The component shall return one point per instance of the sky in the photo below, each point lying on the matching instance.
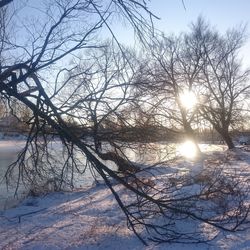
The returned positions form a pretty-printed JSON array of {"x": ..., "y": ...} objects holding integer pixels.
[
  {"x": 175, "y": 18},
  {"x": 177, "y": 15},
  {"x": 220, "y": 13}
]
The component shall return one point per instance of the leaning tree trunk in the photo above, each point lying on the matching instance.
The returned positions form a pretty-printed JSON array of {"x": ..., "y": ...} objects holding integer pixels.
[
  {"x": 225, "y": 136},
  {"x": 124, "y": 165},
  {"x": 228, "y": 140}
]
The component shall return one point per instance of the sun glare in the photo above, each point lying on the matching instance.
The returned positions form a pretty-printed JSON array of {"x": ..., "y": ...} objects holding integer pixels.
[
  {"x": 188, "y": 99},
  {"x": 188, "y": 149}
]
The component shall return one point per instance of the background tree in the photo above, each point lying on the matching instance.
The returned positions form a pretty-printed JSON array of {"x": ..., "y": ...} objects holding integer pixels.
[
  {"x": 172, "y": 82},
  {"x": 225, "y": 82}
]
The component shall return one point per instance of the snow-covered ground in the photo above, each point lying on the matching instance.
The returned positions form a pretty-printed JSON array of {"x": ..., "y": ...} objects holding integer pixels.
[{"x": 91, "y": 219}]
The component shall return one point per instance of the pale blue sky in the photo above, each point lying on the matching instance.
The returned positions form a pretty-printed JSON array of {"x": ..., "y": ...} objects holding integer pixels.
[
  {"x": 174, "y": 18},
  {"x": 222, "y": 14}
]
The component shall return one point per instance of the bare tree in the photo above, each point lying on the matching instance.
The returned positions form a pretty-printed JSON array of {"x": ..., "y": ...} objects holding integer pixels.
[
  {"x": 172, "y": 76},
  {"x": 38, "y": 74},
  {"x": 224, "y": 82}
]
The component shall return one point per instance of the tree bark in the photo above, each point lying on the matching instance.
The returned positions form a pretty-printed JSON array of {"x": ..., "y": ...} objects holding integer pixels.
[
  {"x": 228, "y": 140},
  {"x": 123, "y": 165}
]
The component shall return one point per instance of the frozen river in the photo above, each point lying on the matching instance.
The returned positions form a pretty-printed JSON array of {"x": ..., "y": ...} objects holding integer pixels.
[
  {"x": 8, "y": 154},
  {"x": 140, "y": 153}
]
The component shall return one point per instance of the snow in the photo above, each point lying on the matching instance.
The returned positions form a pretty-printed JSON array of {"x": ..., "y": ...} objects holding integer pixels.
[{"x": 90, "y": 218}]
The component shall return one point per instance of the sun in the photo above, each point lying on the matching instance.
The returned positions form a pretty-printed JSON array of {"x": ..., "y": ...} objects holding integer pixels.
[
  {"x": 188, "y": 149},
  {"x": 188, "y": 99}
]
